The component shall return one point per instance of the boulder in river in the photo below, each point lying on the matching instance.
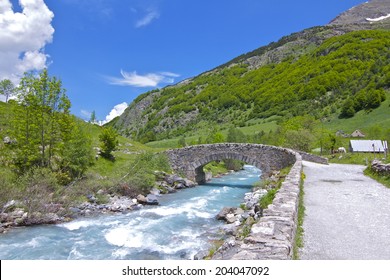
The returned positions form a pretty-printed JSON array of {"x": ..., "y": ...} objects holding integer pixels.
[
  {"x": 151, "y": 199},
  {"x": 224, "y": 212},
  {"x": 141, "y": 199}
]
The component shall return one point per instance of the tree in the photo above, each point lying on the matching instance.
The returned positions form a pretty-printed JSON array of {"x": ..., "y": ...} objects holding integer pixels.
[
  {"x": 93, "y": 117},
  {"x": 7, "y": 89},
  {"x": 182, "y": 142},
  {"x": 347, "y": 110},
  {"x": 235, "y": 136},
  {"x": 109, "y": 142},
  {"x": 300, "y": 140},
  {"x": 77, "y": 154},
  {"x": 42, "y": 122}
]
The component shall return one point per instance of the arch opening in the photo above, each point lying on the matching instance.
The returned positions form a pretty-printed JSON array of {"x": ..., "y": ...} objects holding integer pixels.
[{"x": 200, "y": 174}]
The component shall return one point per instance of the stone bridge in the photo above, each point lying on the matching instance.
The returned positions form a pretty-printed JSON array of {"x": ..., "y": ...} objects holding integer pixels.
[{"x": 190, "y": 160}]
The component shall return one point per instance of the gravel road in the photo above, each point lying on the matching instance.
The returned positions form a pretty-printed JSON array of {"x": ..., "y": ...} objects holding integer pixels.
[{"x": 347, "y": 214}]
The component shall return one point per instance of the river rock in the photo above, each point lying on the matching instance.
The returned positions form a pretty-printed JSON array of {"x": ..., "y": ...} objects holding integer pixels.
[
  {"x": 179, "y": 186},
  {"x": 141, "y": 199},
  {"x": 9, "y": 206},
  {"x": 3, "y": 217},
  {"x": 137, "y": 207},
  {"x": 201, "y": 255},
  {"x": 171, "y": 190},
  {"x": 189, "y": 183},
  {"x": 231, "y": 218},
  {"x": 225, "y": 211},
  {"x": 75, "y": 210},
  {"x": 155, "y": 191},
  {"x": 91, "y": 198},
  {"x": 151, "y": 199},
  {"x": 160, "y": 175}
]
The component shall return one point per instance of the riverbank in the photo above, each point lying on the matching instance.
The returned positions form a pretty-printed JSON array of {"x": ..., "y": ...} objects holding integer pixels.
[
  {"x": 14, "y": 213},
  {"x": 182, "y": 225}
]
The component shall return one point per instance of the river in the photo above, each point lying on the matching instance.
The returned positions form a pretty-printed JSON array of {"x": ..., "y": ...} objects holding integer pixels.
[{"x": 183, "y": 224}]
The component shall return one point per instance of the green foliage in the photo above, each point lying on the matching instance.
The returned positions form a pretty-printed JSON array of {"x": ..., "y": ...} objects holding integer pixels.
[
  {"x": 268, "y": 198},
  {"x": 92, "y": 119},
  {"x": 343, "y": 75},
  {"x": 7, "y": 186},
  {"x": 232, "y": 164},
  {"x": 108, "y": 142},
  {"x": 348, "y": 109},
  {"x": 300, "y": 140},
  {"x": 141, "y": 176},
  {"x": 44, "y": 134},
  {"x": 235, "y": 136},
  {"x": 7, "y": 89},
  {"x": 40, "y": 124},
  {"x": 182, "y": 142},
  {"x": 301, "y": 215},
  {"x": 381, "y": 178},
  {"x": 37, "y": 186},
  {"x": 77, "y": 154}
]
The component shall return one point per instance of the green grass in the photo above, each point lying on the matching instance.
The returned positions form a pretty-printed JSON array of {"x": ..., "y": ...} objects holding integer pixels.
[
  {"x": 362, "y": 120},
  {"x": 252, "y": 127},
  {"x": 354, "y": 158},
  {"x": 268, "y": 198},
  {"x": 385, "y": 180},
  {"x": 301, "y": 214}
]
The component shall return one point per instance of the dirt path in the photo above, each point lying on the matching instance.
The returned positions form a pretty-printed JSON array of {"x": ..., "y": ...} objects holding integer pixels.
[{"x": 347, "y": 214}]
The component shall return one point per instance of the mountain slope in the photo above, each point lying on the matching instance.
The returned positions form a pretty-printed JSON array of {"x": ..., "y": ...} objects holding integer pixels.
[{"x": 310, "y": 72}]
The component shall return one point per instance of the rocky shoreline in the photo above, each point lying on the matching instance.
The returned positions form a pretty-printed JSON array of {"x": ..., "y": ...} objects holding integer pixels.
[
  {"x": 239, "y": 220},
  {"x": 13, "y": 214}
]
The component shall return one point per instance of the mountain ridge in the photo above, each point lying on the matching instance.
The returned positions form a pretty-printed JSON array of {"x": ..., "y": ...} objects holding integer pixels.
[{"x": 164, "y": 113}]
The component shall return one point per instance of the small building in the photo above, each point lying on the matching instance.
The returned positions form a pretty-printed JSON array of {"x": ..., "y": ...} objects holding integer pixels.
[
  {"x": 367, "y": 146},
  {"x": 358, "y": 134}
]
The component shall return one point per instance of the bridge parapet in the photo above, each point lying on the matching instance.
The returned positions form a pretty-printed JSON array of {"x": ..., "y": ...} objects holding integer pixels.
[{"x": 190, "y": 160}]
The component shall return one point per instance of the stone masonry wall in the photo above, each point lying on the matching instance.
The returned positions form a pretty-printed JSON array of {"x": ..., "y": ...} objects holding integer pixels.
[
  {"x": 313, "y": 158},
  {"x": 380, "y": 168},
  {"x": 190, "y": 160},
  {"x": 273, "y": 236}
]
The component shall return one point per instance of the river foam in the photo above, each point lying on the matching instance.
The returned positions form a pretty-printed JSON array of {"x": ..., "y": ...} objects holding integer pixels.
[{"x": 181, "y": 226}]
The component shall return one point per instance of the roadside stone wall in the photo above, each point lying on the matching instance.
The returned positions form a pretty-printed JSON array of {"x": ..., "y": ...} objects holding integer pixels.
[
  {"x": 313, "y": 158},
  {"x": 273, "y": 236},
  {"x": 380, "y": 168}
]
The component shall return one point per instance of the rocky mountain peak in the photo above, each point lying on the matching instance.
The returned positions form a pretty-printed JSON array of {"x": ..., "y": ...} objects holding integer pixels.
[{"x": 368, "y": 12}]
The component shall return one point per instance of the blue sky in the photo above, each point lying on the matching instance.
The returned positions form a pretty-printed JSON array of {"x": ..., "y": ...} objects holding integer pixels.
[{"x": 107, "y": 52}]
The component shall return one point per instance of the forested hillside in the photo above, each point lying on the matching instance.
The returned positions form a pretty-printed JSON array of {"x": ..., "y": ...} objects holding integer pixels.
[{"x": 343, "y": 74}]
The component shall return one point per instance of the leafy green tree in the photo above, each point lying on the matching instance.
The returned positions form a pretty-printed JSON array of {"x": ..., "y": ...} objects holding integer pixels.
[
  {"x": 300, "y": 140},
  {"x": 7, "y": 89},
  {"x": 77, "y": 154},
  {"x": 347, "y": 110},
  {"x": 42, "y": 121},
  {"x": 93, "y": 117},
  {"x": 108, "y": 142},
  {"x": 182, "y": 142},
  {"x": 235, "y": 136}
]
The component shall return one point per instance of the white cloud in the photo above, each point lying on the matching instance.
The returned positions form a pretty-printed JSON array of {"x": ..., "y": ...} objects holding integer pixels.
[
  {"x": 23, "y": 36},
  {"x": 147, "y": 80},
  {"x": 115, "y": 112},
  {"x": 151, "y": 15},
  {"x": 85, "y": 113}
]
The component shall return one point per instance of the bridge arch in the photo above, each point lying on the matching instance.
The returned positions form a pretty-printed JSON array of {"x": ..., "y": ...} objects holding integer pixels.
[{"x": 190, "y": 160}]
